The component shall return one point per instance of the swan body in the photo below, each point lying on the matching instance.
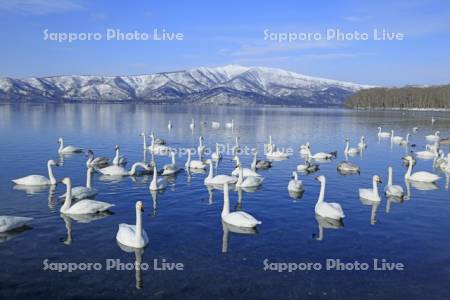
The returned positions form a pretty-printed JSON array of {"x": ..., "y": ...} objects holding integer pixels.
[
  {"x": 157, "y": 184},
  {"x": 82, "y": 207},
  {"x": 238, "y": 218},
  {"x": 246, "y": 171},
  {"x": 230, "y": 124},
  {"x": 260, "y": 164},
  {"x": 427, "y": 154},
  {"x": 216, "y": 156},
  {"x": 133, "y": 235},
  {"x": 319, "y": 155},
  {"x": 39, "y": 180},
  {"x": 274, "y": 153},
  {"x": 249, "y": 181},
  {"x": 433, "y": 137},
  {"x": 294, "y": 184},
  {"x": 383, "y": 134},
  {"x": 96, "y": 162},
  {"x": 67, "y": 149},
  {"x": 420, "y": 176},
  {"x": 362, "y": 143},
  {"x": 8, "y": 223},
  {"x": 83, "y": 192},
  {"x": 324, "y": 209},
  {"x": 194, "y": 164},
  {"x": 215, "y": 124},
  {"x": 157, "y": 146},
  {"x": 346, "y": 166},
  {"x": 201, "y": 147},
  {"x": 304, "y": 148},
  {"x": 349, "y": 150},
  {"x": 118, "y": 159},
  {"x": 371, "y": 194},
  {"x": 395, "y": 138},
  {"x": 121, "y": 171},
  {"x": 169, "y": 125},
  {"x": 218, "y": 179},
  {"x": 392, "y": 190},
  {"x": 172, "y": 168}
]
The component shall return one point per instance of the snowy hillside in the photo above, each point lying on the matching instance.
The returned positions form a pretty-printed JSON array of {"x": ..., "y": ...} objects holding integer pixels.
[{"x": 230, "y": 84}]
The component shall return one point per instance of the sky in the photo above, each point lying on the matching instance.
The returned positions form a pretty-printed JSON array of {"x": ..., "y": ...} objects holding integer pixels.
[{"x": 217, "y": 33}]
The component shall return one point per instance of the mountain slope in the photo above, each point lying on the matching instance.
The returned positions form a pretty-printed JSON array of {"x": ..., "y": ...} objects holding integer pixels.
[{"x": 222, "y": 85}]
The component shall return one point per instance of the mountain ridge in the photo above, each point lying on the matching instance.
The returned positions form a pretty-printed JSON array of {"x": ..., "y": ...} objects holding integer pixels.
[{"x": 230, "y": 84}]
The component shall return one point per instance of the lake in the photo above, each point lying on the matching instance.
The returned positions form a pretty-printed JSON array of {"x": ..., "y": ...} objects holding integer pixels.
[{"x": 184, "y": 222}]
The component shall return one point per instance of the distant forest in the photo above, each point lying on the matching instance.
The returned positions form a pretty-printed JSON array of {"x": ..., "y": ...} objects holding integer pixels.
[{"x": 404, "y": 97}]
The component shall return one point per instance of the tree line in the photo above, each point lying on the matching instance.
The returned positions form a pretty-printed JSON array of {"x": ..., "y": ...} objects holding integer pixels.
[{"x": 403, "y": 97}]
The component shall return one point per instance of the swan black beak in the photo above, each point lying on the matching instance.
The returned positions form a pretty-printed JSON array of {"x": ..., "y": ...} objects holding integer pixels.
[{"x": 317, "y": 178}]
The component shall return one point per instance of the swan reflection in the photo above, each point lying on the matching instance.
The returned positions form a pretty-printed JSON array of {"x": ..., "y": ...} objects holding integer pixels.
[
  {"x": 373, "y": 213},
  {"x": 138, "y": 255},
  {"x": 8, "y": 235},
  {"x": 68, "y": 219},
  {"x": 328, "y": 224},
  {"x": 227, "y": 228},
  {"x": 391, "y": 200}
]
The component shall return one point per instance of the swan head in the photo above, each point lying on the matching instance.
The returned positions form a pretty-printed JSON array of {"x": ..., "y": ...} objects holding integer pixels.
[
  {"x": 377, "y": 179},
  {"x": 116, "y": 147},
  {"x": 90, "y": 153},
  {"x": 142, "y": 134},
  {"x": 66, "y": 181},
  {"x": 293, "y": 174},
  {"x": 139, "y": 206},
  {"x": 60, "y": 140},
  {"x": 52, "y": 163},
  {"x": 320, "y": 178}
]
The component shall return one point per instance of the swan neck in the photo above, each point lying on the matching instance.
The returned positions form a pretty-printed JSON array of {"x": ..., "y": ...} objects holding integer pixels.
[
  {"x": 226, "y": 201},
  {"x": 375, "y": 186},
  {"x": 134, "y": 167},
  {"x": 173, "y": 158},
  {"x": 408, "y": 173},
  {"x": 138, "y": 223},
  {"x": 322, "y": 192},
  {"x": 210, "y": 175},
  {"x": 145, "y": 141},
  {"x": 68, "y": 200},
  {"x": 89, "y": 178},
  {"x": 389, "y": 177},
  {"x": 241, "y": 176},
  {"x": 51, "y": 177}
]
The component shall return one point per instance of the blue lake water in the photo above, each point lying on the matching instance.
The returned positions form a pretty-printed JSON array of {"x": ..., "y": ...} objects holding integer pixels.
[{"x": 184, "y": 224}]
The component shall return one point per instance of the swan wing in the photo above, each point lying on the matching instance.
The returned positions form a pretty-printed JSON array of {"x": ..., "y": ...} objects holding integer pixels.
[
  {"x": 113, "y": 170},
  {"x": 88, "y": 206},
  {"x": 424, "y": 176},
  {"x": 221, "y": 179},
  {"x": 126, "y": 235},
  {"x": 241, "y": 219},
  {"x": 394, "y": 190},
  {"x": 330, "y": 210},
  {"x": 32, "y": 180},
  {"x": 11, "y": 222}
]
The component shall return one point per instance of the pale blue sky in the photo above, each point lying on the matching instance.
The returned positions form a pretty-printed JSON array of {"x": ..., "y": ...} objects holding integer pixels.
[{"x": 229, "y": 32}]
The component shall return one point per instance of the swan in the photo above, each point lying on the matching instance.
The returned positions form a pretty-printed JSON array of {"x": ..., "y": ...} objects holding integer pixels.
[
  {"x": 371, "y": 194},
  {"x": 362, "y": 143},
  {"x": 158, "y": 148},
  {"x": 405, "y": 159},
  {"x": 81, "y": 207},
  {"x": 349, "y": 150},
  {"x": 172, "y": 168},
  {"x": 67, "y": 149},
  {"x": 194, "y": 164},
  {"x": 216, "y": 156},
  {"x": 249, "y": 181},
  {"x": 157, "y": 183},
  {"x": 304, "y": 148},
  {"x": 433, "y": 137},
  {"x": 230, "y": 124},
  {"x": 347, "y": 167},
  {"x": 427, "y": 154},
  {"x": 406, "y": 140},
  {"x": 393, "y": 190},
  {"x": 192, "y": 125},
  {"x": 144, "y": 140},
  {"x": 246, "y": 171},
  {"x": 274, "y": 153},
  {"x": 325, "y": 209},
  {"x": 156, "y": 140},
  {"x": 319, "y": 155},
  {"x": 295, "y": 185},
  {"x": 83, "y": 192},
  {"x": 415, "y": 129},
  {"x": 39, "y": 179},
  {"x": 260, "y": 164},
  {"x": 133, "y": 235},
  {"x": 218, "y": 179},
  {"x": 433, "y": 120},
  {"x": 444, "y": 141},
  {"x": 215, "y": 124},
  {"x": 238, "y": 218},
  {"x": 236, "y": 148},
  {"x": 445, "y": 164},
  {"x": 8, "y": 223},
  {"x": 169, "y": 126},
  {"x": 96, "y": 162},
  {"x": 118, "y": 159},
  {"x": 121, "y": 171},
  {"x": 383, "y": 134},
  {"x": 420, "y": 176},
  {"x": 201, "y": 147},
  {"x": 396, "y": 138}
]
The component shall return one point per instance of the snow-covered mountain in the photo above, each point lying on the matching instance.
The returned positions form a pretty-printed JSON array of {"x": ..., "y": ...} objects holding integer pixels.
[{"x": 230, "y": 84}]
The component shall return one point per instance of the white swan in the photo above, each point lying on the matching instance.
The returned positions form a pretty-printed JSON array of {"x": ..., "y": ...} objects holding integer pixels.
[
  {"x": 294, "y": 184},
  {"x": 371, "y": 194},
  {"x": 215, "y": 124},
  {"x": 325, "y": 209},
  {"x": 216, "y": 155},
  {"x": 81, "y": 207},
  {"x": 67, "y": 149},
  {"x": 427, "y": 154},
  {"x": 246, "y": 171},
  {"x": 156, "y": 140},
  {"x": 158, "y": 148},
  {"x": 238, "y": 218},
  {"x": 445, "y": 165},
  {"x": 83, "y": 192},
  {"x": 274, "y": 153},
  {"x": 218, "y": 179},
  {"x": 230, "y": 124},
  {"x": 8, "y": 223},
  {"x": 319, "y": 155},
  {"x": 307, "y": 166},
  {"x": 36, "y": 180},
  {"x": 383, "y": 134},
  {"x": 172, "y": 168},
  {"x": 392, "y": 190},
  {"x": 362, "y": 143},
  {"x": 96, "y": 162},
  {"x": 248, "y": 181},
  {"x": 169, "y": 126},
  {"x": 304, "y": 148},
  {"x": 236, "y": 148},
  {"x": 121, "y": 171},
  {"x": 194, "y": 164},
  {"x": 419, "y": 176},
  {"x": 433, "y": 137},
  {"x": 157, "y": 183},
  {"x": 192, "y": 125},
  {"x": 347, "y": 167},
  {"x": 259, "y": 164},
  {"x": 201, "y": 147},
  {"x": 406, "y": 140},
  {"x": 118, "y": 159},
  {"x": 348, "y": 150},
  {"x": 396, "y": 138},
  {"x": 133, "y": 235},
  {"x": 144, "y": 140}
]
